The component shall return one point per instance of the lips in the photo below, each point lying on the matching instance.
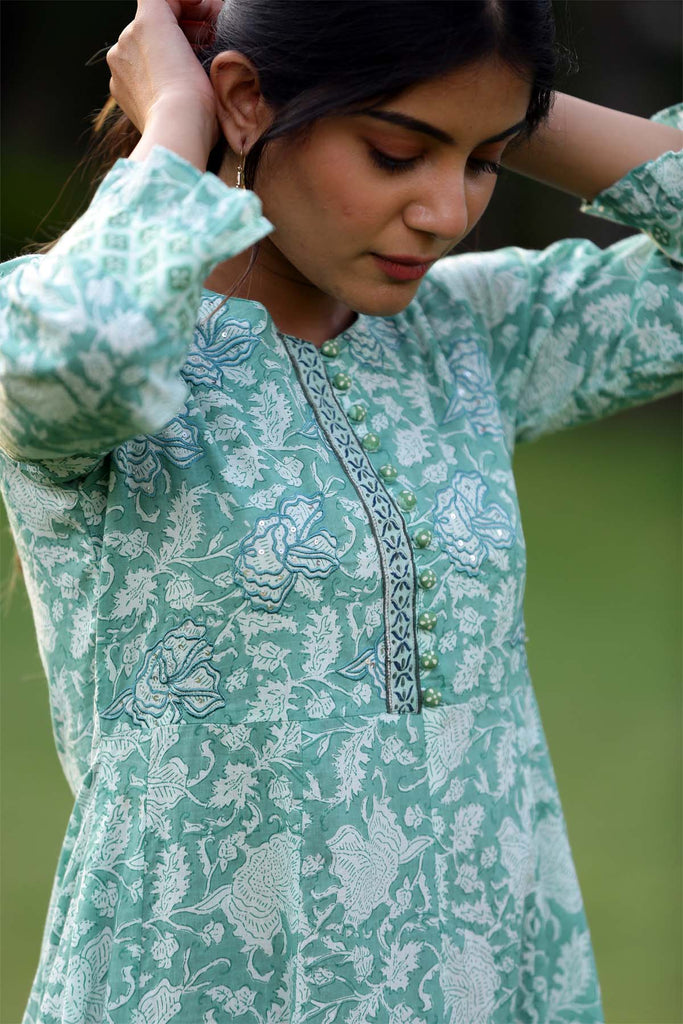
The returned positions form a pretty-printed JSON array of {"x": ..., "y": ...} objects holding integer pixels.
[
  {"x": 402, "y": 268},
  {"x": 408, "y": 261}
]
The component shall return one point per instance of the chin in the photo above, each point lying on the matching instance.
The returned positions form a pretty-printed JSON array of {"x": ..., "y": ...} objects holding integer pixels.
[{"x": 382, "y": 300}]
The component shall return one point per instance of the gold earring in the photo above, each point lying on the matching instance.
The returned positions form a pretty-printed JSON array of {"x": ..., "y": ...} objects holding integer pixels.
[{"x": 240, "y": 171}]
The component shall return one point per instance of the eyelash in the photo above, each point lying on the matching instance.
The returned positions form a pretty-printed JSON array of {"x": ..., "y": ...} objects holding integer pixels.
[{"x": 394, "y": 166}]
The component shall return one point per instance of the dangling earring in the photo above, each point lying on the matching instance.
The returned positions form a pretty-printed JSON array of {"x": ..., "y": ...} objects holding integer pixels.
[{"x": 240, "y": 171}]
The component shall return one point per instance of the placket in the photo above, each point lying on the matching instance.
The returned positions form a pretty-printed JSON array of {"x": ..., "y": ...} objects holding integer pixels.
[{"x": 409, "y": 647}]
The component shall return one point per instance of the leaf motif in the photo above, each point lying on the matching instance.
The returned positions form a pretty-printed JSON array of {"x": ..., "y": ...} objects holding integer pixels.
[
  {"x": 203, "y": 857},
  {"x": 138, "y": 590},
  {"x": 466, "y": 827},
  {"x": 272, "y": 414},
  {"x": 215, "y": 542},
  {"x": 52, "y": 555},
  {"x": 506, "y": 761},
  {"x": 414, "y": 848},
  {"x": 573, "y": 974},
  {"x": 348, "y": 766},
  {"x": 310, "y": 589},
  {"x": 173, "y": 879},
  {"x": 158, "y": 1006},
  {"x": 267, "y": 656},
  {"x": 323, "y": 642},
  {"x": 226, "y": 427},
  {"x": 285, "y": 741},
  {"x": 313, "y": 787},
  {"x": 323, "y": 745},
  {"x": 224, "y": 579},
  {"x": 185, "y": 528},
  {"x": 290, "y": 470},
  {"x": 402, "y": 961},
  {"x": 243, "y": 465}
]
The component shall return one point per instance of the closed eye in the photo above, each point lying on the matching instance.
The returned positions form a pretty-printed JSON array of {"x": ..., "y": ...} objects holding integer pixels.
[
  {"x": 392, "y": 164},
  {"x": 477, "y": 167},
  {"x": 395, "y": 165}
]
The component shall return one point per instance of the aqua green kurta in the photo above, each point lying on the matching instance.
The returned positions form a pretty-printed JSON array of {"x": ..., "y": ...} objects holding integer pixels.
[{"x": 278, "y": 597}]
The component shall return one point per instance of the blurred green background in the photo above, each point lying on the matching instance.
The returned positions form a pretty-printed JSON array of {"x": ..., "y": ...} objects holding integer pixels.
[{"x": 601, "y": 508}]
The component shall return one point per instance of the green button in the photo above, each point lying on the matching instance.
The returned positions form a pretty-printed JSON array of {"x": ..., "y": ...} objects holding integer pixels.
[
  {"x": 341, "y": 381},
  {"x": 429, "y": 660},
  {"x": 371, "y": 442},
  {"x": 427, "y": 579},
  {"x": 431, "y": 698},
  {"x": 406, "y": 500},
  {"x": 357, "y": 413},
  {"x": 388, "y": 472},
  {"x": 330, "y": 349},
  {"x": 427, "y": 621},
  {"x": 423, "y": 538}
]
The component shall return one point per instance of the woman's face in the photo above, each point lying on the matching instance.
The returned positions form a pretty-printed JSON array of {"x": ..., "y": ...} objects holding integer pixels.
[{"x": 362, "y": 187}]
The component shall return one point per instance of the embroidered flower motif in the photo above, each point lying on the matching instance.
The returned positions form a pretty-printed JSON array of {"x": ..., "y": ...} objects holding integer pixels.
[
  {"x": 213, "y": 350},
  {"x": 175, "y": 676},
  {"x": 139, "y": 459},
  {"x": 464, "y": 527},
  {"x": 281, "y": 546},
  {"x": 473, "y": 395}
]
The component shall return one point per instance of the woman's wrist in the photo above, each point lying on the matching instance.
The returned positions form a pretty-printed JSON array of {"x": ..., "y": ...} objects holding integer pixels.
[
  {"x": 584, "y": 148},
  {"x": 188, "y": 132}
]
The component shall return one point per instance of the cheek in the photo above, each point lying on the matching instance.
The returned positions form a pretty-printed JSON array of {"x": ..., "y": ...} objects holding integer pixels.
[{"x": 340, "y": 189}]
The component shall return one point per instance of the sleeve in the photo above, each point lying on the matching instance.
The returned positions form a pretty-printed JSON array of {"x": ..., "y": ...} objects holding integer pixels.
[
  {"x": 93, "y": 333},
  {"x": 576, "y": 332}
]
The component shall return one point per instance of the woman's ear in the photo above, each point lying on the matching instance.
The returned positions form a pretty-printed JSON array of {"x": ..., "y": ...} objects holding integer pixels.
[{"x": 242, "y": 111}]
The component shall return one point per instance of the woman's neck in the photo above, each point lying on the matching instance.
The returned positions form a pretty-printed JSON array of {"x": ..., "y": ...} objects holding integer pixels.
[{"x": 296, "y": 306}]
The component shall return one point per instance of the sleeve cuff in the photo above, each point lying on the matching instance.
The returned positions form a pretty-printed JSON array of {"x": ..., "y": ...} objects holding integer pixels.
[
  {"x": 650, "y": 197},
  {"x": 223, "y": 221}
]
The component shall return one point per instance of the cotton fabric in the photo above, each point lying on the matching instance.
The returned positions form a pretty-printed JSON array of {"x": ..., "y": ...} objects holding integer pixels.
[{"x": 271, "y": 824}]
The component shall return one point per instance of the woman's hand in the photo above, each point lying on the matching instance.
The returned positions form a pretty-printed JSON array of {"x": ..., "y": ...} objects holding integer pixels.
[{"x": 155, "y": 75}]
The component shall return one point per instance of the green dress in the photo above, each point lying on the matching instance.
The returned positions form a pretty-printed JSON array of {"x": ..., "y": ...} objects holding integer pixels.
[{"x": 278, "y": 597}]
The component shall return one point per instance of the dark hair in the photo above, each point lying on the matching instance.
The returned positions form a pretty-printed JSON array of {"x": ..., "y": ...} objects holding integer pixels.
[{"x": 316, "y": 58}]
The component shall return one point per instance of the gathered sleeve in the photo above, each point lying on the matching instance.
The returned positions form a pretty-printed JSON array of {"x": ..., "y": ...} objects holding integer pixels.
[
  {"x": 93, "y": 334},
  {"x": 575, "y": 332}
]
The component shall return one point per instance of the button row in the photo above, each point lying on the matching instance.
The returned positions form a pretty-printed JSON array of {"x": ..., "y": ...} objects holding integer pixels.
[{"x": 406, "y": 501}]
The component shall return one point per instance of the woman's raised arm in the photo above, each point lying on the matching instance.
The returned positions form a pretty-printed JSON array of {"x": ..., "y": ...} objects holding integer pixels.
[
  {"x": 584, "y": 148},
  {"x": 158, "y": 82},
  {"x": 94, "y": 333}
]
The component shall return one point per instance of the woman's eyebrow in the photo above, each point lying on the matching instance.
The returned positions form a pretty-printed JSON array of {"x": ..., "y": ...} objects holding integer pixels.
[{"x": 413, "y": 125}]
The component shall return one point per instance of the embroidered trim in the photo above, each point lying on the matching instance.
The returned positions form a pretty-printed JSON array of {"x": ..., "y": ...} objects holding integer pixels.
[{"x": 399, "y": 583}]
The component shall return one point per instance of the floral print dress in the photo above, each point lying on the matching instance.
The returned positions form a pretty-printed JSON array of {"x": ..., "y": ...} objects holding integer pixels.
[{"x": 278, "y": 597}]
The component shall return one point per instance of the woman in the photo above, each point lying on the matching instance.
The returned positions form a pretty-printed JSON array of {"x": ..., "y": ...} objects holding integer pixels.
[{"x": 272, "y": 543}]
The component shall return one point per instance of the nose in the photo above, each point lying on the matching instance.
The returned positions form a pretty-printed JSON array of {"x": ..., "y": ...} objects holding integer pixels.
[{"x": 440, "y": 210}]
